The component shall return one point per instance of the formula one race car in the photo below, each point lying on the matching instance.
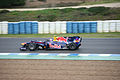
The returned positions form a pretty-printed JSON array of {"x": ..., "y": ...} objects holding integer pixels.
[{"x": 71, "y": 43}]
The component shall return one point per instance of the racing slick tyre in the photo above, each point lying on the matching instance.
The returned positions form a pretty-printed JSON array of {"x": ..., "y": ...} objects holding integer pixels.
[
  {"x": 32, "y": 46},
  {"x": 23, "y": 49},
  {"x": 81, "y": 39},
  {"x": 72, "y": 46}
]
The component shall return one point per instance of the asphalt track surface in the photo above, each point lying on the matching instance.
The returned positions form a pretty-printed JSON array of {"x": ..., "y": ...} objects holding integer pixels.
[
  {"x": 89, "y": 45},
  {"x": 59, "y": 70}
]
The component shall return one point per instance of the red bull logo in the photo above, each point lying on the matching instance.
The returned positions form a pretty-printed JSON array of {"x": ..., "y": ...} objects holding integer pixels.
[
  {"x": 61, "y": 39},
  {"x": 54, "y": 46}
]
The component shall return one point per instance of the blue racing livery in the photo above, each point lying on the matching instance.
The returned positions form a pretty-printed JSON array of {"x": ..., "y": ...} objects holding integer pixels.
[{"x": 71, "y": 43}]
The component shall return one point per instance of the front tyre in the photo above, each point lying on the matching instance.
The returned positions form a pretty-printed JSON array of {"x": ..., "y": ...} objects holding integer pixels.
[
  {"x": 72, "y": 46},
  {"x": 32, "y": 46}
]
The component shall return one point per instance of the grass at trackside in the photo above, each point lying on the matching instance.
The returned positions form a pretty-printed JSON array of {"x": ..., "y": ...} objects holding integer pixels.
[
  {"x": 68, "y": 14},
  {"x": 99, "y": 2},
  {"x": 85, "y": 35}
]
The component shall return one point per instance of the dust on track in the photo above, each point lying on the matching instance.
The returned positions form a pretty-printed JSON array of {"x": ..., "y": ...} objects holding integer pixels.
[{"x": 59, "y": 70}]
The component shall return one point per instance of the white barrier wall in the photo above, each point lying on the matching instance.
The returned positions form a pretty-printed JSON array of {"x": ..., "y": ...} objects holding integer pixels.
[
  {"x": 0, "y": 28},
  {"x": 118, "y": 26},
  {"x": 46, "y": 27},
  {"x": 63, "y": 27},
  {"x": 99, "y": 26},
  {"x": 113, "y": 27},
  {"x": 108, "y": 26},
  {"x": 40, "y": 28},
  {"x": 3, "y": 27},
  {"x": 51, "y": 27},
  {"x": 60, "y": 27}
]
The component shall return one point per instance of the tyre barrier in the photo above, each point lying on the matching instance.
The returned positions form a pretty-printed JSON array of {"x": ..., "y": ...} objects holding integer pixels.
[
  {"x": 35, "y": 27},
  {"x": 3, "y": 27},
  {"x": 23, "y": 27},
  {"x": 51, "y": 27},
  {"x": 81, "y": 27}
]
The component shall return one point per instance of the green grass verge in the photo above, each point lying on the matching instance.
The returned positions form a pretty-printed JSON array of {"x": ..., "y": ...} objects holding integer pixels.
[
  {"x": 68, "y": 14},
  {"x": 85, "y": 35}
]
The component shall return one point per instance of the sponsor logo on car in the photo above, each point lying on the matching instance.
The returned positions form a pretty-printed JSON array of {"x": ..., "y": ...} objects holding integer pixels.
[{"x": 54, "y": 46}]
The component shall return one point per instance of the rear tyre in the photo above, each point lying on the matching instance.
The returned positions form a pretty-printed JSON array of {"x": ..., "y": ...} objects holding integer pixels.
[
  {"x": 32, "y": 46},
  {"x": 72, "y": 46},
  {"x": 81, "y": 39}
]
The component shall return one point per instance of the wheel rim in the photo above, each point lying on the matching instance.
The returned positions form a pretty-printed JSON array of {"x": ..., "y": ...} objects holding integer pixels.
[
  {"x": 40, "y": 47},
  {"x": 31, "y": 46},
  {"x": 73, "y": 46}
]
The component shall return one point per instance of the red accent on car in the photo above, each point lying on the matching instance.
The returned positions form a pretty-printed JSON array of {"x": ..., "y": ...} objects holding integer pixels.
[
  {"x": 61, "y": 39},
  {"x": 40, "y": 42}
]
